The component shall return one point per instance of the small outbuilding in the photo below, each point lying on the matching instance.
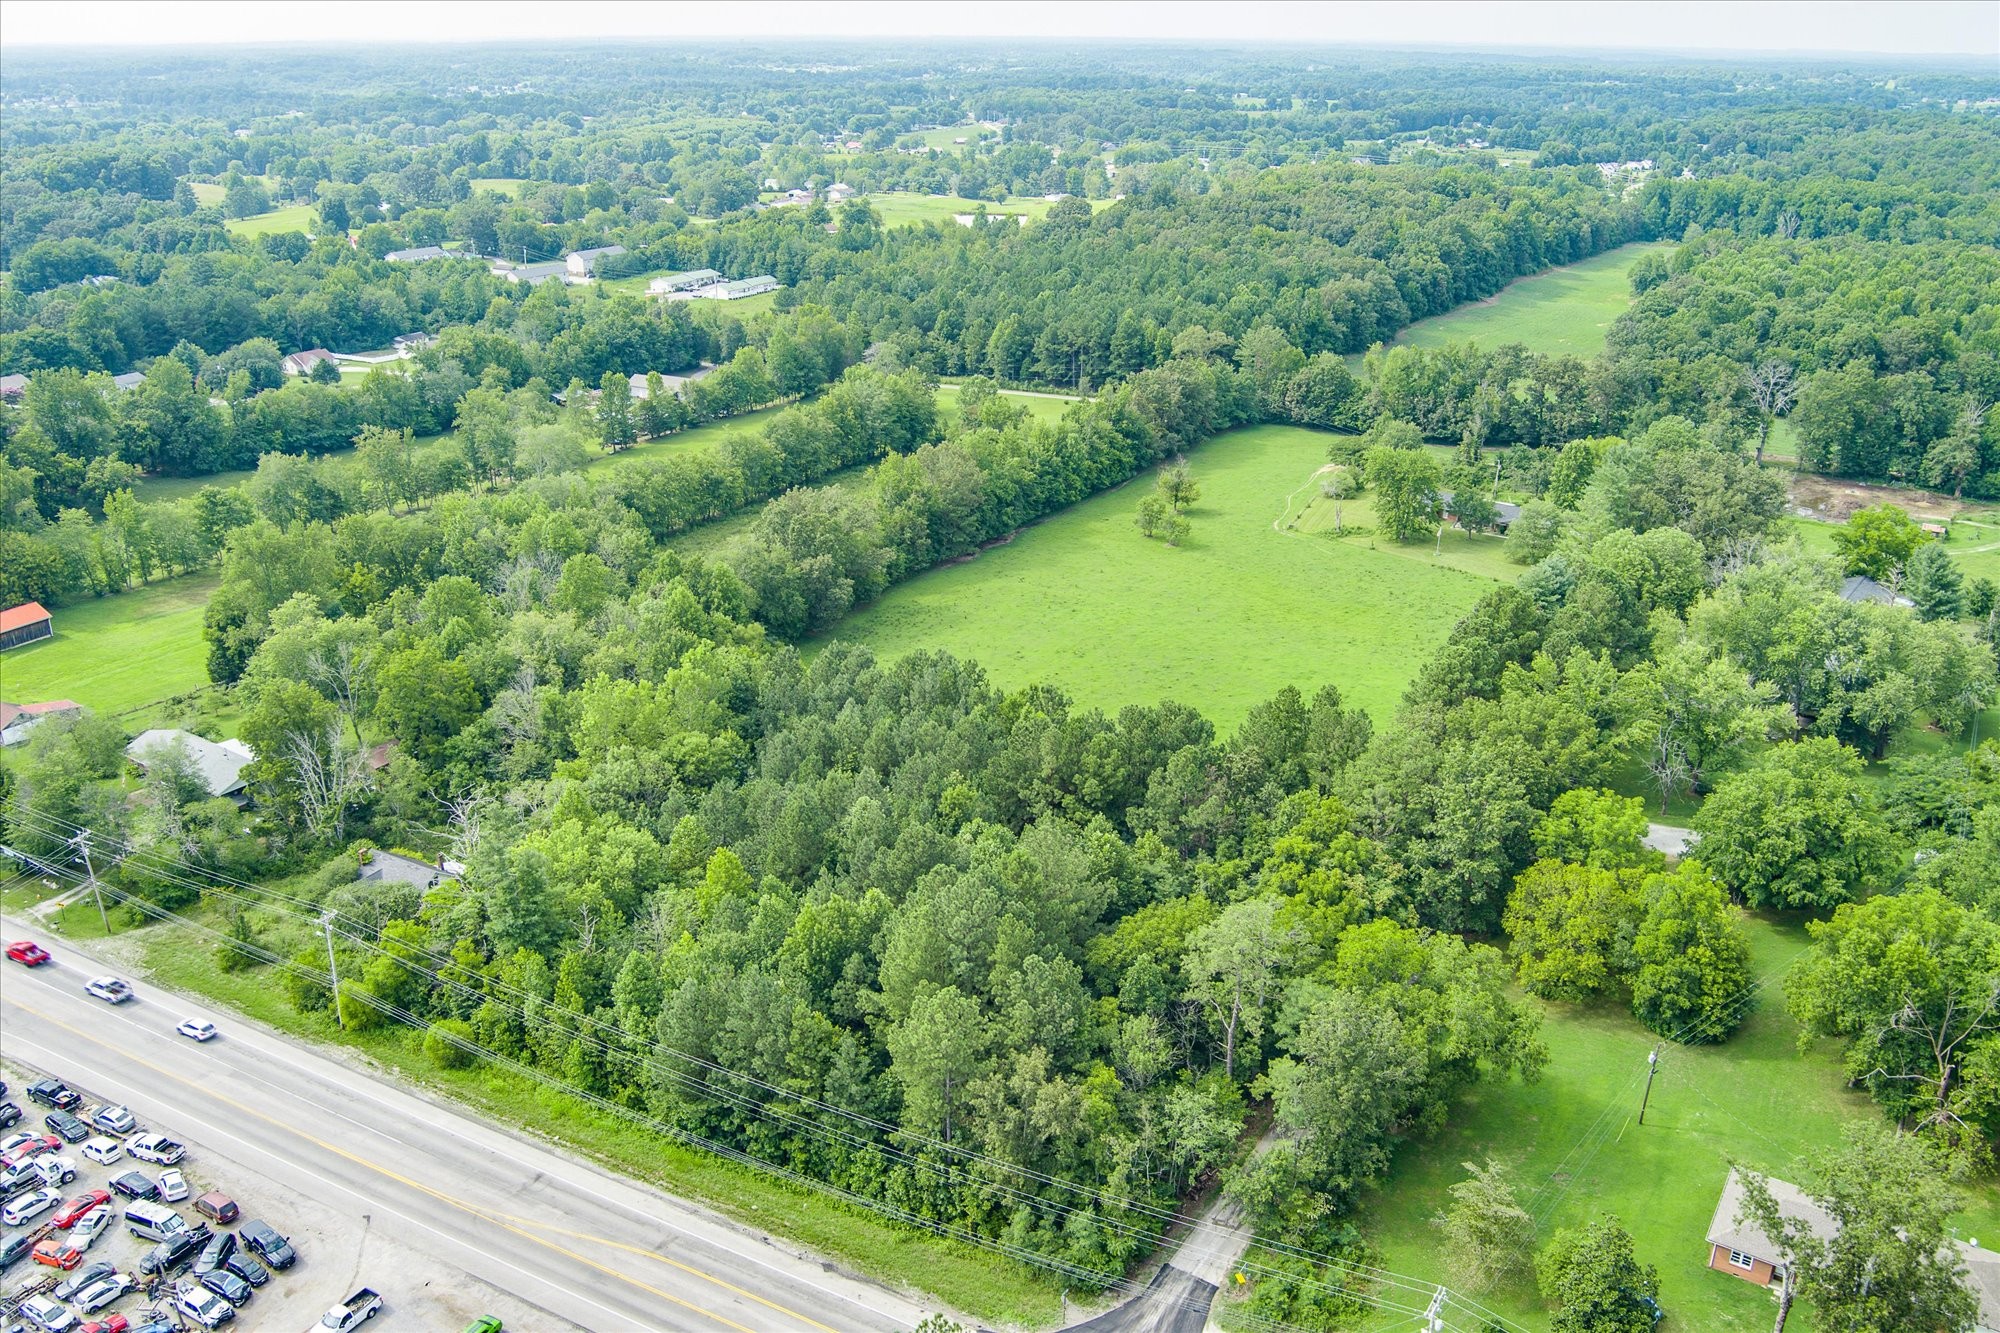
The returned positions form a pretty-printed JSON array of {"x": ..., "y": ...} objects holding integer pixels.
[{"x": 27, "y": 623}]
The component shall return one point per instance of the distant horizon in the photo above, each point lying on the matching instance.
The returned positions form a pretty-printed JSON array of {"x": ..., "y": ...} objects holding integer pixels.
[{"x": 1953, "y": 30}]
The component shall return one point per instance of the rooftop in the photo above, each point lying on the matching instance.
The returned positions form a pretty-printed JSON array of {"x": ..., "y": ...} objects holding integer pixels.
[{"x": 221, "y": 763}]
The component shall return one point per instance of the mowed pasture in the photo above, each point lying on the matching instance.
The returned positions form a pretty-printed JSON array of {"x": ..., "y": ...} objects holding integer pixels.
[
  {"x": 1566, "y": 309},
  {"x": 116, "y": 653},
  {"x": 903, "y": 208},
  {"x": 1577, "y": 1149},
  {"x": 298, "y": 217},
  {"x": 1222, "y": 622}
]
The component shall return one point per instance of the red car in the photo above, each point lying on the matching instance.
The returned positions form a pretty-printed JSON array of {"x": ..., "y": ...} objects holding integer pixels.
[
  {"x": 75, "y": 1210},
  {"x": 56, "y": 1254},
  {"x": 33, "y": 1146},
  {"x": 27, "y": 953},
  {"x": 114, "y": 1323}
]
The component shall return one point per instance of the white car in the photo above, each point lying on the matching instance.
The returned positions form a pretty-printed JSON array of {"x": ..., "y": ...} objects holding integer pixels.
[
  {"x": 112, "y": 990},
  {"x": 101, "y": 1293},
  {"x": 203, "y": 1306},
  {"x": 91, "y": 1227},
  {"x": 30, "y": 1205},
  {"x": 13, "y": 1141},
  {"x": 47, "y": 1315},
  {"x": 196, "y": 1029},
  {"x": 114, "y": 1119},
  {"x": 173, "y": 1186},
  {"x": 104, "y": 1151},
  {"x": 156, "y": 1148}
]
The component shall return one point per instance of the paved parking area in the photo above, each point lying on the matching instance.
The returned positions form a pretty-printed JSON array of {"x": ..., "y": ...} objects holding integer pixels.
[{"x": 338, "y": 1252}]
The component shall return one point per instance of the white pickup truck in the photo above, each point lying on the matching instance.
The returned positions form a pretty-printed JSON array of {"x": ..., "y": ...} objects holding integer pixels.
[{"x": 351, "y": 1313}]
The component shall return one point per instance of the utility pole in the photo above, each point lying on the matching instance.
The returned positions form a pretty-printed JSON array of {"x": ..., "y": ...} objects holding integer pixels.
[
  {"x": 1434, "y": 1317},
  {"x": 82, "y": 841},
  {"x": 1652, "y": 1068},
  {"x": 333, "y": 968}
]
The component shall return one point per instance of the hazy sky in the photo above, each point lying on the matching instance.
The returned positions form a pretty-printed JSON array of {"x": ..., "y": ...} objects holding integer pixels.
[{"x": 1957, "y": 27}]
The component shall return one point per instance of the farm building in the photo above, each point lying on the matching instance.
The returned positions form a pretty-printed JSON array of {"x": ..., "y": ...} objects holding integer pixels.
[
  {"x": 1741, "y": 1249},
  {"x": 683, "y": 282},
  {"x": 17, "y": 720},
  {"x": 583, "y": 263},
  {"x": 302, "y": 363},
  {"x": 742, "y": 287},
  {"x": 671, "y": 383},
  {"x": 24, "y": 624},
  {"x": 221, "y": 763}
]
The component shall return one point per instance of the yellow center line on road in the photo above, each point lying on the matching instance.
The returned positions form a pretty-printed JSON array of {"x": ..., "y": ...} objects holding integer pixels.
[{"x": 503, "y": 1220}]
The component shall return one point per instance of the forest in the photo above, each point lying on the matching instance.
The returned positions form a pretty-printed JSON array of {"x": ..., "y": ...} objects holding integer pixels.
[{"x": 1025, "y": 974}]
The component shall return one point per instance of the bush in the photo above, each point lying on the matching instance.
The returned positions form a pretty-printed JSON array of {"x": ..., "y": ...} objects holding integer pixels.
[{"x": 441, "y": 1043}]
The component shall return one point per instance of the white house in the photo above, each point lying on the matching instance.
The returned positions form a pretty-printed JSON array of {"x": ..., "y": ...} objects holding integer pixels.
[
  {"x": 302, "y": 363},
  {"x": 682, "y": 282},
  {"x": 583, "y": 263},
  {"x": 736, "y": 291},
  {"x": 17, "y": 720}
]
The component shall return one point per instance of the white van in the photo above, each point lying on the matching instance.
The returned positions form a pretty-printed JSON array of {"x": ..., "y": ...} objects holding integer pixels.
[
  {"x": 153, "y": 1221},
  {"x": 104, "y": 1151}
]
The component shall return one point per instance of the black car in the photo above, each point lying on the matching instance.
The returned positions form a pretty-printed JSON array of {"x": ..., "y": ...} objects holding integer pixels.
[
  {"x": 54, "y": 1092},
  {"x": 15, "y": 1247},
  {"x": 67, "y": 1126},
  {"x": 245, "y": 1266},
  {"x": 10, "y": 1115},
  {"x": 171, "y": 1255},
  {"x": 272, "y": 1248},
  {"x": 135, "y": 1185},
  {"x": 213, "y": 1255},
  {"x": 228, "y": 1286},
  {"x": 81, "y": 1278}
]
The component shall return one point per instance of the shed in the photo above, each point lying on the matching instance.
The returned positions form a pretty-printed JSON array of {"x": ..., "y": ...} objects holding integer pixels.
[{"x": 24, "y": 624}]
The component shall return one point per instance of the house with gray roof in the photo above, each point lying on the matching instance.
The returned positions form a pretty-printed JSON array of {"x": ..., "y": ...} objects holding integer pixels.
[
  {"x": 583, "y": 263},
  {"x": 221, "y": 763},
  {"x": 1861, "y": 588}
]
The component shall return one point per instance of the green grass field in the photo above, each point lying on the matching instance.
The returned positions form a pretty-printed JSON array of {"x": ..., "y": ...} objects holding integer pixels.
[
  {"x": 299, "y": 217},
  {"x": 1578, "y": 1150},
  {"x": 207, "y": 192},
  {"x": 1084, "y": 602},
  {"x": 902, "y": 208},
  {"x": 508, "y": 187},
  {"x": 120, "y": 652},
  {"x": 1563, "y": 310}
]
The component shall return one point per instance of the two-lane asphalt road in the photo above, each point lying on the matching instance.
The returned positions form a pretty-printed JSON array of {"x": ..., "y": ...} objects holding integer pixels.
[{"x": 587, "y": 1248}]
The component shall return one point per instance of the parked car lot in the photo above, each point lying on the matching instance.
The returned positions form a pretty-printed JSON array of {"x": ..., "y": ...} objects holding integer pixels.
[{"x": 281, "y": 1254}]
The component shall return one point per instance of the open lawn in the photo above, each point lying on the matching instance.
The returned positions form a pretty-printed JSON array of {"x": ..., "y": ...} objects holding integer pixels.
[
  {"x": 1578, "y": 1150},
  {"x": 1222, "y": 622},
  {"x": 1041, "y": 406},
  {"x": 1565, "y": 309},
  {"x": 207, "y": 192},
  {"x": 903, "y": 208},
  {"x": 299, "y": 217},
  {"x": 508, "y": 187},
  {"x": 160, "y": 490},
  {"x": 117, "y": 653}
]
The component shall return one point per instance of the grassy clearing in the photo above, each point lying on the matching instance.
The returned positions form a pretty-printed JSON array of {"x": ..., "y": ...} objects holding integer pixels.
[
  {"x": 120, "y": 652},
  {"x": 507, "y": 187},
  {"x": 903, "y": 208},
  {"x": 207, "y": 192},
  {"x": 980, "y": 1284},
  {"x": 161, "y": 490},
  {"x": 299, "y": 217},
  {"x": 1578, "y": 1149},
  {"x": 1565, "y": 309},
  {"x": 1041, "y": 407},
  {"x": 1084, "y": 602}
]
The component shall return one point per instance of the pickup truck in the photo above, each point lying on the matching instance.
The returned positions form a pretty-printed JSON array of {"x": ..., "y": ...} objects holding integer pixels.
[{"x": 351, "y": 1313}]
